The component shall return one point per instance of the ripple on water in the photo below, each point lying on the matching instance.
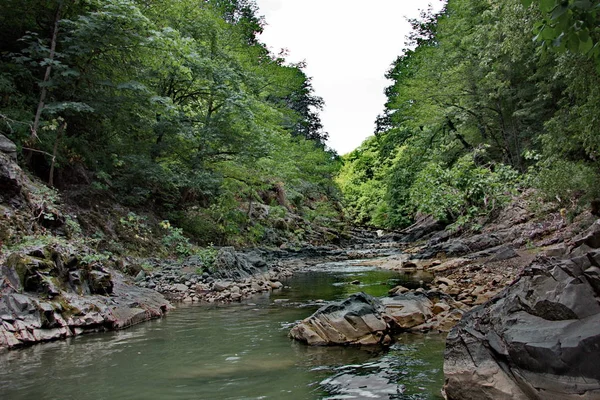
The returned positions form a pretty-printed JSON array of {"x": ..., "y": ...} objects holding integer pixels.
[{"x": 233, "y": 352}]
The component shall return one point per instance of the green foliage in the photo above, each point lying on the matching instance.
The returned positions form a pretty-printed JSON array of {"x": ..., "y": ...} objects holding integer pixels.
[
  {"x": 96, "y": 258},
  {"x": 174, "y": 239},
  {"x": 208, "y": 256},
  {"x": 566, "y": 182},
  {"x": 569, "y": 25},
  {"x": 172, "y": 105},
  {"x": 474, "y": 78},
  {"x": 72, "y": 227},
  {"x": 465, "y": 189},
  {"x": 135, "y": 227}
]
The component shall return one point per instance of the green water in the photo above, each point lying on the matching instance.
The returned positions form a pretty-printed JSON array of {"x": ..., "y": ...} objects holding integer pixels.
[{"x": 232, "y": 352}]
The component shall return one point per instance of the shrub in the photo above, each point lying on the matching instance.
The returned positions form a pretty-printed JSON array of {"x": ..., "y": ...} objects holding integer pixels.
[
  {"x": 464, "y": 190},
  {"x": 566, "y": 181}
]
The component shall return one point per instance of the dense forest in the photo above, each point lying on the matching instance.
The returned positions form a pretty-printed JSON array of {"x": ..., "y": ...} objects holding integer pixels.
[
  {"x": 177, "y": 110},
  {"x": 490, "y": 99},
  {"x": 168, "y": 106}
]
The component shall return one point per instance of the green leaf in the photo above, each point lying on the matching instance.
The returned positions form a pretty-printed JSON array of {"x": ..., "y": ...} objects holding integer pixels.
[
  {"x": 59, "y": 107},
  {"x": 586, "y": 45},
  {"x": 573, "y": 43},
  {"x": 526, "y": 3},
  {"x": 559, "y": 11},
  {"x": 547, "y": 5},
  {"x": 584, "y": 5},
  {"x": 549, "y": 33}
]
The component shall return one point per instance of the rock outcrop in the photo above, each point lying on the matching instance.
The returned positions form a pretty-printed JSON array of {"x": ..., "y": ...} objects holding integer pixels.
[
  {"x": 539, "y": 338},
  {"x": 48, "y": 293}
]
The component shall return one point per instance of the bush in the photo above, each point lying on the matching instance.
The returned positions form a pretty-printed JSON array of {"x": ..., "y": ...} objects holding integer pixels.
[
  {"x": 175, "y": 240},
  {"x": 465, "y": 190},
  {"x": 566, "y": 181}
]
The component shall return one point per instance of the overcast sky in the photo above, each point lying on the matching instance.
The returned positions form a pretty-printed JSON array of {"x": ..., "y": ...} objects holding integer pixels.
[{"x": 348, "y": 45}]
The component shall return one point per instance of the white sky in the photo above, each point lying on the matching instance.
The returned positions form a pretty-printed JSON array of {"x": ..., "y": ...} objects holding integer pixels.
[{"x": 348, "y": 45}]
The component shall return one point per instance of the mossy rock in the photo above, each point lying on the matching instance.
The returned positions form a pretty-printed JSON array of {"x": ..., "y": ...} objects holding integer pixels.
[{"x": 35, "y": 274}]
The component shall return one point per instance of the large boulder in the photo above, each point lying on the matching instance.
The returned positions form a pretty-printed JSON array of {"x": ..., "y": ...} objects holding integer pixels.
[
  {"x": 357, "y": 320},
  {"x": 538, "y": 339}
]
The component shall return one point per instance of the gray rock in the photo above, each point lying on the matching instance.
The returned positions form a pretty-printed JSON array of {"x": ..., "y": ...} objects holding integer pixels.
[
  {"x": 140, "y": 276},
  {"x": 180, "y": 287},
  {"x": 354, "y": 321},
  {"x": 221, "y": 286},
  {"x": 407, "y": 311},
  {"x": 538, "y": 340},
  {"x": 100, "y": 282},
  {"x": 504, "y": 253},
  {"x": 238, "y": 266},
  {"x": 8, "y": 147},
  {"x": 27, "y": 319}
]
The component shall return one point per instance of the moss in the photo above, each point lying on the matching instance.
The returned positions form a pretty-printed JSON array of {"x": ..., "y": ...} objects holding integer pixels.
[
  {"x": 66, "y": 309},
  {"x": 19, "y": 264}
]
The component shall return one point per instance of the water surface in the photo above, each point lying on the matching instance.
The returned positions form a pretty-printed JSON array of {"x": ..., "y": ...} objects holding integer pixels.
[{"x": 233, "y": 352}]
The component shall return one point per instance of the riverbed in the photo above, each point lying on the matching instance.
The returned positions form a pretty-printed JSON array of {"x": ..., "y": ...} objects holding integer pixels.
[{"x": 236, "y": 351}]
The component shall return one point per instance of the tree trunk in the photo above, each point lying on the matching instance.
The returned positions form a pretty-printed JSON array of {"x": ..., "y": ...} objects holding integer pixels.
[
  {"x": 44, "y": 92},
  {"x": 59, "y": 132}
]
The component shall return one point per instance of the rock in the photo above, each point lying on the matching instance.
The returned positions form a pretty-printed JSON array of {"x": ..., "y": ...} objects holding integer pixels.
[
  {"x": 221, "y": 286},
  {"x": 449, "y": 265},
  {"x": 124, "y": 317},
  {"x": 398, "y": 290},
  {"x": 423, "y": 227},
  {"x": 504, "y": 253},
  {"x": 590, "y": 238},
  {"x": 407, "y": 311},
  {"x": 539, "y": 339},
  {"x": 8, "y": 147},
  {"x": 237, "y": 266},
  {"x": 354, "y": 321},
  {"x": 179, "y": 287},
  {"x": 100, "y": 282},
  {"x": 256, "y": 286},
  {"x": 275, "y": 284},
  {"x": 557, "y": 250},
  {"x": 66, "y": 299},
  {"x": 140, "y": 276},
  {"x": 439, "y": 308},
  {"x": 444, "y": 281}
]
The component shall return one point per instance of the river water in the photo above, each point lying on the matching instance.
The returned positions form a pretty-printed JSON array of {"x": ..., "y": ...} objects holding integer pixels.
[{"x": 234, "y": 352}]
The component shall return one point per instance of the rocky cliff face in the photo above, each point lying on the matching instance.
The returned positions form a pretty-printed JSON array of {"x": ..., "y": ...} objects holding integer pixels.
[{"x": 538, "y": 339}]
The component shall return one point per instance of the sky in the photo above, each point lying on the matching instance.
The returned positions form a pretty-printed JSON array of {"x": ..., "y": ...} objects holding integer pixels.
[{"x": 348, "y": 46}]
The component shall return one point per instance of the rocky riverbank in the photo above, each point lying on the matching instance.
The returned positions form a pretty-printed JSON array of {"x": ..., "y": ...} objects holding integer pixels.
[
  {"x": 520, "y": 299},
  {"x": 539, "y": 338},
  {"x": 48, "y": 293}
]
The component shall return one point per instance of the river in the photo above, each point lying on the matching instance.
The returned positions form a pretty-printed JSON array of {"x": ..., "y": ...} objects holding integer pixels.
[{"x": 234, "y": 352}]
